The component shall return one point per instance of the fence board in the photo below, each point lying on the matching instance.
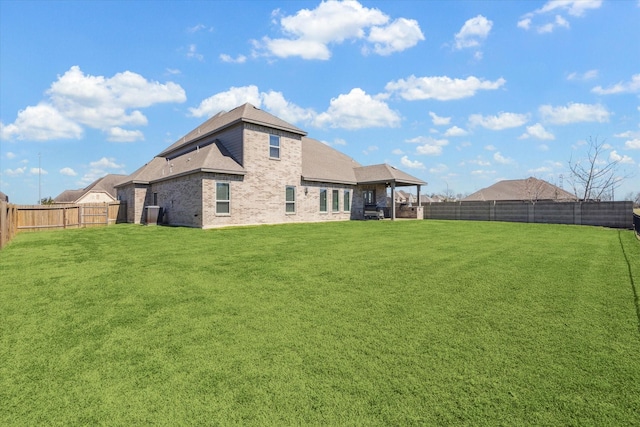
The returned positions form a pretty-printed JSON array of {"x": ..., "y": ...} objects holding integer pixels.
[
  {"x": 48, "y": 217},
  {"x": 606, "y": 214}
]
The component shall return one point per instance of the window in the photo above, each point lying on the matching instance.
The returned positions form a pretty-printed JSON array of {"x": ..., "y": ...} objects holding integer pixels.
[
  {"x": 223, "y": 198},
  {"x": 369, "y": 197},
  {"x": 155, "y": 199},
  {"x": 335, "y": 200},
  {"x": 323, "y": 200},
  {"x": 290, "y": 199},
  {"x": 346, "y": 203},
  {"x": 274, "y": 146}
]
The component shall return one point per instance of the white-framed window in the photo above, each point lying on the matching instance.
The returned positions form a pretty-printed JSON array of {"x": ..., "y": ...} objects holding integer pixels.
[
  {"x": 323, "y": 200},
  {"x": 290, "y": 199},
  {"x": 274, "y": 146},
  {"x": 346, "y": 203},
  {"x": 335, "y": 200},
  {"x": 223, "y": 198}
]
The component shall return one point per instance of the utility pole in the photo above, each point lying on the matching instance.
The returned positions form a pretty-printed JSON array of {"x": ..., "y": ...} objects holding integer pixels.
[{"x": 39, "y": 180}]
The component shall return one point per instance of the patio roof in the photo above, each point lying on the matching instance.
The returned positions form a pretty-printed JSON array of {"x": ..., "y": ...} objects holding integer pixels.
[{"x": 385, "y": 174}]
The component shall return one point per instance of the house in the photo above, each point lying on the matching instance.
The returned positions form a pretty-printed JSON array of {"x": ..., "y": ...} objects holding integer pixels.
[
  {"x": 404, "y": 197},
  {"x": 530, "y": 189},
  {"x": 247, "y": 166},
  {"x": 102, "y": 190},
  {"x": 4, "y": 197}
]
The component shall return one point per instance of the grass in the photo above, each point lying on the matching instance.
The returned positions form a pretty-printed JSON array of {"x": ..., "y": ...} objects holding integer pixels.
[{"x": 351, "y": 323}]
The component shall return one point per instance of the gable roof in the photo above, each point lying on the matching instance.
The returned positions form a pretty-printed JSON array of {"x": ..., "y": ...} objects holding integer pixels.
[
  {"x": 521, "y": 189},
  {"x": 384, "y": 173},
  {"x": 245, "y": 113},
  {"x": 212, "y": 157},
  {"x": 3, "y": 197},
  {"x": 106, "y": 184},
  {"x": 324, "y": 164}
]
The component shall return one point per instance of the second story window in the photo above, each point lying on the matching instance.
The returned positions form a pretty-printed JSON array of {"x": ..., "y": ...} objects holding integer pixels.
[{"x": 274, "y": 146}]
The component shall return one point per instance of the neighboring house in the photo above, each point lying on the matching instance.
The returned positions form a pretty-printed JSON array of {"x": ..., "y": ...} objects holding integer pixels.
[
  {"x": 404, "y": 197},
  {"x": 530, "y": 189},
  {"x": 101, "y": 190},
  {"x": 428, "y": 199},
  {"x": 4, "y": 197},
  {"x": 247, "y": 166}
]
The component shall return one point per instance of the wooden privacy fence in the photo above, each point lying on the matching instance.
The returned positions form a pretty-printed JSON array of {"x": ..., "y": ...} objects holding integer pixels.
[
  {"x": 18, "y": 218},
  {"x": 8, "y": 222}
]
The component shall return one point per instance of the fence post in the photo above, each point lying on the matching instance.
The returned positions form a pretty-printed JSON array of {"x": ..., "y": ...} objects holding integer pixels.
[{"x": 577, "y": 213}]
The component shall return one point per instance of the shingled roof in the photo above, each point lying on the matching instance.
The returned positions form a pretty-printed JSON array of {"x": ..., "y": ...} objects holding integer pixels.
[
  {"x": 322, "y": 163},
  {"x": 106, "y": 184},
  {"x": 245, "y": 113},
  {"x": 521, "y": 189},
  {"x": 384, "y": 173}
]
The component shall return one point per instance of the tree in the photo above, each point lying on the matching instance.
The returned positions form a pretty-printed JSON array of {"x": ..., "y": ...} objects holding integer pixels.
[
  {"x": 46, "y": 201},
  {"x": 595, "y": 177}
]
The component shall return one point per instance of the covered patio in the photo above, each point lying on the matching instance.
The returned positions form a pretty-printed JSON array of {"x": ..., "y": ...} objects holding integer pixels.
[{"x": 390, "y": 177}]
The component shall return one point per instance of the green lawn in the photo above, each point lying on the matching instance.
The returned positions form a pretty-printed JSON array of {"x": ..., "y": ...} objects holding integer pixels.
[{"x": 351, "y": 323}]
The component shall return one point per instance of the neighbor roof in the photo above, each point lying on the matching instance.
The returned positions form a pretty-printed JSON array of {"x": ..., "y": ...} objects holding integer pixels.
[
  {"x": 385, "y": 173},
  {"x": 245, "y": 113},
  {"x": 3, "y": 197},
  {"x": 521, "y": 189},
  {"x": 106, "y": 184}
]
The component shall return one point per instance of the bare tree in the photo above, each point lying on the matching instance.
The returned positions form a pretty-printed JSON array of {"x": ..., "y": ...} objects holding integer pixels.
[{"x": 595, "y": 177}]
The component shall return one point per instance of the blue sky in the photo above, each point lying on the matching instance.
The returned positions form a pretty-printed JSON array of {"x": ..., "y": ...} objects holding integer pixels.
[{"x": 459, "y": 93}]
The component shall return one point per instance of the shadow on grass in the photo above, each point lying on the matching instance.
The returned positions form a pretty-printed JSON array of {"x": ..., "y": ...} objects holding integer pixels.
[{"x": 636, "y": 300}]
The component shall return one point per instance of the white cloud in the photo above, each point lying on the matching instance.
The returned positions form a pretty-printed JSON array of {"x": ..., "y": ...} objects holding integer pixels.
[
  {"x": 77, "y": 100},
  {"x": 482, "y": 172},
  {"x": 473, "y": 32},
  {"x": 400, "y": 35},
  {"x": 100, "y": 168},
  {"x": 357, "y": 110},
  {"x": 192, "y": 52},
  {"x": 632, "y": 86},
  {"x": 574, "y": 113},
  {"x": 440, "y": 168},
  {"x": 524, "y": 23},
  {"x": 280, "y": 107},
  {"x": 240, "y": 59},
  {"x": 575, "y": 8},
  {"x": 117, "y": 134},
  {"x": 40, "y": 123},
  {"x": 15, "y": 172},
  {"x": 490, "y": 147},
  {"x": 439, "y": 121},
  {"x": 429, "y": 146},
  {"x": 615, "y": 157},
  {"x": 411, "y": 164},
  {"x": 309, "y": 33},
  {"x": 68, "y": 172},
  {"x": 499, "y": 122},
  {"x": 480, "y": 162},
  {"x": 397, "y": 152},
  {"x": 588, "y": 75},
  {"x": 10, "y": 155},
  {"x": 455, "y": 131},
  {"x": 550, "y": 26},
  {"x": 38, "y": 171},
  {"x": 105, "y": 163},
  {"x": 537, "y": 131},
  {"x": 633, "y": 144},
  {"x": 499, "y": 158},
  {"x": 196, "y": 28},
  {"x": 354, "y": 110},
  {"x": 225, "y": 101},
  {"x": 441, "y": 88}
]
